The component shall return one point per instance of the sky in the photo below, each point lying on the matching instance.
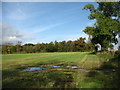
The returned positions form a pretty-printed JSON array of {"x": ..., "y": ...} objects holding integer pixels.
[{"x": 37, "y": 22}]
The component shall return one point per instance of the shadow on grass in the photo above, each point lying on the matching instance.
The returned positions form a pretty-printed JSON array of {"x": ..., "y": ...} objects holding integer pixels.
[
  {"x": 37, "y": 79},
  {"x": 92, "y": 74},
  {"x": 108, "y": 73}
]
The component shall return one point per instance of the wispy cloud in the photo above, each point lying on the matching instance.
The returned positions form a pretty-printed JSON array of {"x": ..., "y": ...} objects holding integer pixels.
[
  {"x": 18, "y": 14},
  {"x": 13, "y": 35},
  {"x": 45, "y": 28}
]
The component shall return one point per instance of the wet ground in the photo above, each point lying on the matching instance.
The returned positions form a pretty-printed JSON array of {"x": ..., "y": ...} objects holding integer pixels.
[{"x": 45, "y": 67}]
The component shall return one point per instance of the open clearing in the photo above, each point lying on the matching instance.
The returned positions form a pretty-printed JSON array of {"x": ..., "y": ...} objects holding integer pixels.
[{"x": 58, "y": 73}]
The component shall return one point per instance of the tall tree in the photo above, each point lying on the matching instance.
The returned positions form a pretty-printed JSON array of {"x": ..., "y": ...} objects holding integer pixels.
[
  {"x": 18, "y": 46},
  {"x": 107, "y": 24}
]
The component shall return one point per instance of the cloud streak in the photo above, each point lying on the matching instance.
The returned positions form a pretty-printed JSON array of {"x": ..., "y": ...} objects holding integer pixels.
[
  {"x": 17, "y": 12},
  {"x": 45, "y": 28},
  {"x": 17, "y": 15},
  {"x": 11, "y": 34}
]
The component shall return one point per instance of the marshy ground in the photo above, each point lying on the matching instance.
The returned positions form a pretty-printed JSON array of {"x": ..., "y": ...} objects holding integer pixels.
[{"x": 55, "y": 70}]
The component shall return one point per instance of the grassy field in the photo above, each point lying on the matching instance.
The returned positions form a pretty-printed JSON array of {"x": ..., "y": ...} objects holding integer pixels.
[{"x": 15, "y": 76}]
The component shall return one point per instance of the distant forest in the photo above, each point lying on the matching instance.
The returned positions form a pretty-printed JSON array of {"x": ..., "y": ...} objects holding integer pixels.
[
  {"x": 104, "y": 32},
  {"x": 78, "y": 45}
]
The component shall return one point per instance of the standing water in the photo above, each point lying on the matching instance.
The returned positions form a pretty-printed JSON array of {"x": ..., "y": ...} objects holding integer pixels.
[{"x": 35, "y": 68}]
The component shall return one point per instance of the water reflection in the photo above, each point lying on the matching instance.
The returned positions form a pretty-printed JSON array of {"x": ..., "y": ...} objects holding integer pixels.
[
  {"x": 73, "y": 67},
  {"x": 55, "y": 66},
  {"x": 42, "y": 67},
  {"x": 81, "y": 69},
  {"x": 35, "y": 68}
]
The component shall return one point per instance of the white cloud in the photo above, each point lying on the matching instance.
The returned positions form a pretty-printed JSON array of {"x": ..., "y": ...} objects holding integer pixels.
[
  {"x": 75, "y": 36},
  {"x": 62, "y": 37},
  {"x": 10, "y": 34},
  {"x": 13, "y": 35}
]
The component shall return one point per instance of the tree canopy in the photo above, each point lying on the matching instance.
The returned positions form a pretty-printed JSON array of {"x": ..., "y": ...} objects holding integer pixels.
[{"x": 107, "y": 25}]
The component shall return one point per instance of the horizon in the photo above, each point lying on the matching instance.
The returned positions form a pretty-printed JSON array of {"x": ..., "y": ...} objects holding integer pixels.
[{"x": 44, "y": 22}]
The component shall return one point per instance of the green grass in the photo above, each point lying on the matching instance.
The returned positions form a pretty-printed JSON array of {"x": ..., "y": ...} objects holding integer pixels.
[{"x": 14, "y": 75}]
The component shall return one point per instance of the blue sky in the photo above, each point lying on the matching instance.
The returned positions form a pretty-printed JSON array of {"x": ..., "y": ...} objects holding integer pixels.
[{"x": 36, "y": 22}]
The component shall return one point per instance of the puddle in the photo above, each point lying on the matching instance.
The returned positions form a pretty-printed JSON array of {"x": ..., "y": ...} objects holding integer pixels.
[
  {"x": 55, "y": 66},
  {"x": 35, "y": 68},
  {"x": 76, "y": 68},
  {"x": 73, "y": 67},
  {"x": 81, "y": 69},
  {"x": 39, "y": 68},
  {"x": 43, "y": 67}
]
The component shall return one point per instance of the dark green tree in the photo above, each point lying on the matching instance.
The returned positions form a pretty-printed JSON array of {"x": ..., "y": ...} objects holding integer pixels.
[
  {"x": 18, "y": 46},
  {"x": 51, "y": 47},
  {"x": 107, "y": 24},
  {"x": 80, "y": 44},
  {"x": 29, "y": 48},
  {"x": 70, "y": 46}
]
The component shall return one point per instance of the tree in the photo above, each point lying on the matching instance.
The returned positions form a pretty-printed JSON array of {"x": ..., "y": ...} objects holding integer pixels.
[
  {"x": 106, "y": 28},
  {"x": 110, "y": 9},
  {"x": 29, "y": 48},
  {"x": 62, "y": 46},
  {"x": 4, "y": 49},
  {"x": 37, "y": 47},
  {"x": 7, "y": 48},
  {"x": 18, "y": 46},
  {"x": 80, "y": 44},
  {"x": 89, "y": 45},
  {"x": 56, "y": 45},
  {"x": 70, "y": 46},
  {"x": 51, "y": 47}
]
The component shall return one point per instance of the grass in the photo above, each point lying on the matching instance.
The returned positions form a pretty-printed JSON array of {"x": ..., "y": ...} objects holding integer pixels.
[{"x": 14, "y": 75}]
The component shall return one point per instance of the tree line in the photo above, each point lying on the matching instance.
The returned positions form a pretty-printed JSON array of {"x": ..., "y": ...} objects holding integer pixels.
[
  {"x": 78, "y": 45},
  {"x": 104, "y": 32}
]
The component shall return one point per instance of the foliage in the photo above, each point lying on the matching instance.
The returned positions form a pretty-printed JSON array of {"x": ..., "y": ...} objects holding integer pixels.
[
  {"x": 64, "y": 46},
  {"x": 107, "y": 24}
]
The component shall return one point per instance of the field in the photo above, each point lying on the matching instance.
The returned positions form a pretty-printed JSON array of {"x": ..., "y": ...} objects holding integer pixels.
[{"x": 62, "y": 70}]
